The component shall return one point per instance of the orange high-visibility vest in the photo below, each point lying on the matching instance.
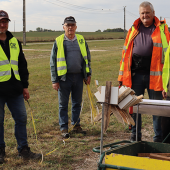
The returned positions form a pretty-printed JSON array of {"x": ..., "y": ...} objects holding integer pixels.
[{"x": 156, "y": 61}]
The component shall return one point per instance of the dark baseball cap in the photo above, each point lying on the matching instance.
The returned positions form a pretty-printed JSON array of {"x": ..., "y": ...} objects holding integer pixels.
[
  {"x": 69, "y": 20},
  {"x": 3, "y": 15}
]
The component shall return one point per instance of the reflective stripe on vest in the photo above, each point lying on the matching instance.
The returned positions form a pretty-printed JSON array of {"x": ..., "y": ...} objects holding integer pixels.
[
  {"x": 61, "y": 62},
  {"x": 6, "y": 65},
  {"x": 4, "y": 62},
  {"x": 121, "y": 73},
  {"x": 155, "y": 73},
  {"x": 5, "y": 73},
  {"x": 157, "y": 44}
]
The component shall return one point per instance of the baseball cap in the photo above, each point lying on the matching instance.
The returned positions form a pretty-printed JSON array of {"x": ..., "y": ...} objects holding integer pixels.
[
  {"x": 69, "y": 20},
  {"x": 3, "y": 15}
]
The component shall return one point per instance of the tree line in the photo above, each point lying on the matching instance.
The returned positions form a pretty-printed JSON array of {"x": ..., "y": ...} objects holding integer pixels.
[
  {"x": 112, "y": 30},
  {"x": 39, "y": 29},
  {"x": 117, "y": 30}
]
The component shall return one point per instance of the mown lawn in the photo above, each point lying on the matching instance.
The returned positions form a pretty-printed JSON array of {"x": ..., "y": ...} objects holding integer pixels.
[{"x": 44, "y": 107}]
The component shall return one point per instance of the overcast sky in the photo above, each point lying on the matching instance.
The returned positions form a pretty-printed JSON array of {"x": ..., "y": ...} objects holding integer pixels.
[{"x": 90, "y": 15}]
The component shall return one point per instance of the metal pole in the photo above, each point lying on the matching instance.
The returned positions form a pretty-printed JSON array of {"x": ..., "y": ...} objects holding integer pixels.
[
  {"x": 137, "y": 115},
  {"x": 24, "y": 24},
  {"x": 14, "y": 25},
  {"x": 102, "y": 126},
  {"x": 124, "y": 23}
]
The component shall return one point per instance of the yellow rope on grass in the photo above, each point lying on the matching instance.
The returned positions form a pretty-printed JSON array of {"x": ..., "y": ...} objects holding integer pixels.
[
  {"x": 93, "y": 109},
  {"x": 64, "y": 141},
  {"x": 35, "y": 132}
]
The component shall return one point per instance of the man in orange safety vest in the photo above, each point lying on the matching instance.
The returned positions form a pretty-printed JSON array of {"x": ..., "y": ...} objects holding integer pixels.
[{"x": 142, "y": 61}]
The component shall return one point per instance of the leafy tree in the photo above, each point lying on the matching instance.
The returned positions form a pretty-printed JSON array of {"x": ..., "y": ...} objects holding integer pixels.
[
  {"x": 98, "y": 30},
  {"x": 38, "y": 29}
]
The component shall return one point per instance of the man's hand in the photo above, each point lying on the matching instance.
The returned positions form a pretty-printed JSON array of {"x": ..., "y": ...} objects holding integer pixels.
[
  {"x": 120, "y": 83},
  {"x": 56, "y": 86},
  {"x": 88, "y": 80},
  {"x": 26, "y": 94},
  {"x": 164, "y": 94}
]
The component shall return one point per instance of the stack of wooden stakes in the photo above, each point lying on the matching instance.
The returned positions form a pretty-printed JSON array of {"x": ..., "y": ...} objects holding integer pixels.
[{"x": 126, "y": 99}]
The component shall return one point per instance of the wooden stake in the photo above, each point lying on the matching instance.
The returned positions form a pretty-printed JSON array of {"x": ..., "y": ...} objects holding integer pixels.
[{"x": 107, "y": 107}]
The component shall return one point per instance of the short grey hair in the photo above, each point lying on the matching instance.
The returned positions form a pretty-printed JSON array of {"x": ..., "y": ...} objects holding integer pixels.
[{"x": 145, "y": 4}]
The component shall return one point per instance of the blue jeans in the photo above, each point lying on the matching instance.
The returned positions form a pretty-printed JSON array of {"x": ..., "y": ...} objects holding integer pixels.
[
  {"x": 140, "y": 82},
  {"x": 73, "y": 85},
  {"x": 17, "y": 108}
]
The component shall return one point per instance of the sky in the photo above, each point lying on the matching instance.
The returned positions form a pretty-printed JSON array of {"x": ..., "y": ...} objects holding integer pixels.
[{"x": 90, "y": 15}]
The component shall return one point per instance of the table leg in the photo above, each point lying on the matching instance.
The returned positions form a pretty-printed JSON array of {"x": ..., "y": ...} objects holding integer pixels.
[
  {"x": 137, "y": 115},
  {"x": 102, "y": 126}
]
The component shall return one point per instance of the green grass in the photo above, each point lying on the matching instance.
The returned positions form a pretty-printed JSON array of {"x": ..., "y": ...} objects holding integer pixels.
[
  {"x": 50, "y": 36},
  {"x": 44, "y": 107}
]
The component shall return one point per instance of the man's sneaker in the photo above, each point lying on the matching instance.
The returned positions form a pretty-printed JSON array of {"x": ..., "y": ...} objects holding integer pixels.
[
  {"x": 78, "y": 129},
  {"x": 133, "y": 138},
  {"x": 27, "y": 154},
  {"x": 64, "y": 133},
  {"x": 2, "y": 155}
]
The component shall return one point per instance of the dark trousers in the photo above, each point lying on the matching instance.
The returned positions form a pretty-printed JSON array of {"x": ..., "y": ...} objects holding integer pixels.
[
  {"x": 166, "y": 126},
  {"x": 140, "y": 82}
]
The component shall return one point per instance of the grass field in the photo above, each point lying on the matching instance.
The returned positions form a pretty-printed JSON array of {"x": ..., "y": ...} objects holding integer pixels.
[
  {"x": 44, "y": 105},
  {"x": 50, "y": 36}
]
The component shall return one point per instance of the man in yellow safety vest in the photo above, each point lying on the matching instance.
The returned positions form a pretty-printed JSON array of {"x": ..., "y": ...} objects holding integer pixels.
[
  {"x": 13, "y": 88},
  {"x": 70, "y": 64}
]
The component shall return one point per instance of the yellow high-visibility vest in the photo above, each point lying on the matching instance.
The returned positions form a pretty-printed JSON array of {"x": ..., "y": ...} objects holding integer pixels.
[
  {"x": 165, "y": 59},
  {"x": 61, "y": 61},
  {"x": 6, "y": 65},
  {"x": 165, "y": 70}
]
